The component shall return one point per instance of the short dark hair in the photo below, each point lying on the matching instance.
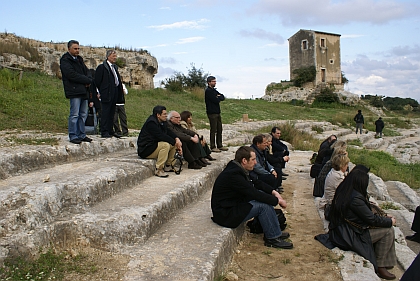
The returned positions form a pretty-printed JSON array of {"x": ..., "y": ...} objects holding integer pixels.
[
  {"x": 185, "y": 115},
  {"x": 243, "y": 152},
  {"x": 71, "y": 42},
  {"x": 274, "y": 129},
  {"x": 210, "y": 78},
  {"x": 158, "y": 109},
  {"x": 258, "y": 139},
  {"x": 360, "y": 111}
]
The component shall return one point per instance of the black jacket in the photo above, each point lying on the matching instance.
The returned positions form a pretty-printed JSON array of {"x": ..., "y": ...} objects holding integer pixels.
[
  {"x": 379, "y": 125},
  {"x": 105, "y": 82},
  {"x": 279, "y": 148},
  {"x": 213, "y": 98},
  {"x": 182, "y": 133},
  {"x": 232, "y": 192},
  {"x": 75, "y": 76},
  {"x": 358, "y": 118},
  {"x": 151, "y": 133},
  {"x": 354, "y": 235}
]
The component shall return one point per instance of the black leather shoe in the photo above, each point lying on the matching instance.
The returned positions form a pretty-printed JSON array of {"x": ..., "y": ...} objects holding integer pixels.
[
  {"x": 200, "y": 163},
  {"x": 284, "y": 174},
  {"x": 87, "y": 139},
  {"x": 117, "y": 135},
  {"x": 76, "y": 141},
  {"x": 415, "y": 237},
  {"x": 194, "y": 165},
  {"x": 278, "y": 243},
  {"x": 203, "y": 160},
  {"x": 280, "y": 190},
  {"x": 210, "y": 158},
  {"x": 283, "y": 178},
  {"x": 284, "y": 235}
]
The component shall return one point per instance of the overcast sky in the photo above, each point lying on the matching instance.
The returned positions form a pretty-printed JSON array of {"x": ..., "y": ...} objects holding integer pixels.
[{"x": 243, "y": 43}]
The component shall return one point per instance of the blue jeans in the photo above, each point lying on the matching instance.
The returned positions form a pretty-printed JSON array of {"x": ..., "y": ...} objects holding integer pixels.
[
  {"x": 77, "y": 118},
  {"x": 267, "y": 217}
]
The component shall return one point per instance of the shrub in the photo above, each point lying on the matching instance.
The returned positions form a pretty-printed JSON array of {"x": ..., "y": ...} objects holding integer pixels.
[
  {"x": 327, "y": 95},
  {"x": 179, "y": 81},
  {"x": 304, "y": 75}
]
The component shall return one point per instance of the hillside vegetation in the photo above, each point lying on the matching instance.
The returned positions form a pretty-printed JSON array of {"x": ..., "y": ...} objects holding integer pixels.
[{"x": 37, "y": 102}]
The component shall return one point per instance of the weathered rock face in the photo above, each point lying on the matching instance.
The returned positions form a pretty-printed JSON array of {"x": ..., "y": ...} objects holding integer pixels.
[
  {"x": 307, "y": 93},
  {"x": 138, "y": 72}
]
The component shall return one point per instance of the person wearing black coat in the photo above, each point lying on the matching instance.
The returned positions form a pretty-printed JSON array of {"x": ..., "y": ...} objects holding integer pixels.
[
  {"x": 109, "y": 84},
  {"x": 379, "y": 126},
  {"x": 76, "y": 82},
  {"x": 358, "y": 118},
  {"x": 279, "y": 149},
  {"x": 156, "y": 141},
  {"x": 353, "y": 225},
  {"x": 212, "y": 99},
  {"x": 236, "y": 198}
]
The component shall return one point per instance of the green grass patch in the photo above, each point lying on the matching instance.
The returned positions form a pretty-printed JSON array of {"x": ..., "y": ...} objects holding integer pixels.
[
  {"x": 32, "y": 141},
  {"x": 389, "y": 206},
  {"x": 386, "y": 166},
  {"x": 49, "y": 266}
]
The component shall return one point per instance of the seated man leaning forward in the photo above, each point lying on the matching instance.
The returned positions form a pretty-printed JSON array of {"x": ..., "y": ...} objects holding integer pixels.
[
  {"x": 236, "y": 199},
  {"x": 263, "y": 170},
  {"x": 156, "y": 141},
  {"x": 190, "y": 141}
]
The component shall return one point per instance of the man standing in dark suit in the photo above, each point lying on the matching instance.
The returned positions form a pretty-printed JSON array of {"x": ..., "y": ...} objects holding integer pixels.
[
  {"x": 108, "y": 81},
  {"x": 76, "y": 82}
]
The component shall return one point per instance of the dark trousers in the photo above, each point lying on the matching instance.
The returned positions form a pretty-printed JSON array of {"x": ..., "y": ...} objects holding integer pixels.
[
  {"x": 190, "y": 151},
  {"x": 120, "y": 114},
  {"x": 215, "y": 130},
  {"x": 416, "y": 221},
  {"x": 107, "y": 118},
  {"x": 271, "y": 179}
]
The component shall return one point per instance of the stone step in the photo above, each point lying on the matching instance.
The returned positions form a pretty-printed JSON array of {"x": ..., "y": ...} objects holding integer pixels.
[
  {"x": 190, "y": 246},
  {"x": 17, "y": 161},
  {"x": 131, "y": 216},
  {"x": 30, "y": 206}
]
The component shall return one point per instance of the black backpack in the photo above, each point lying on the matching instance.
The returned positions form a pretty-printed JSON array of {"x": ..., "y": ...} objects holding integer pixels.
[{"x": 255, "y": 225}]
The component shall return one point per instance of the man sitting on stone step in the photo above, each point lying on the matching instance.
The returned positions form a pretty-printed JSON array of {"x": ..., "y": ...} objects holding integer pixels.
[
  {"x": 190, "y": 142},
  {"x": 236, "y": 198},
  {"x": 156, "y": 141},
  {"x": 263, "y": 170}
]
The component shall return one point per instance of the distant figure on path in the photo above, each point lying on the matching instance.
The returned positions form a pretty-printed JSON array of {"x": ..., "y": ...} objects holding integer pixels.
[
  {"x": 359, "y": 121},
  {"x": 379, "y": 127},
  {"x": 76, "y": 82},
  {"x": 213, "y": 99}
]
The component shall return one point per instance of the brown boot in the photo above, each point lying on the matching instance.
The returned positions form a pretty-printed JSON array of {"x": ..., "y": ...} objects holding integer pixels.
[{"x": 385, "y": 274}]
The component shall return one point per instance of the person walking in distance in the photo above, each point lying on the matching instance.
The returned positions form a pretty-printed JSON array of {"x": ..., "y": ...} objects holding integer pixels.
[
  {"x": 358, "y": 118},
  {"x": 76, "y": 82},
  {"x": 213, "y": 99}
]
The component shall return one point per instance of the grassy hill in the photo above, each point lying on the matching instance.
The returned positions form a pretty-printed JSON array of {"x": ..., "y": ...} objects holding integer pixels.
[{"x": 37, "y": 102}]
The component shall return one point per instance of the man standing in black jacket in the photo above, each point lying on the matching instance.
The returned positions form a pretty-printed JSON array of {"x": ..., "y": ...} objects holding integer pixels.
[
  {"x": 236, "y": 199},
  {"x": 76, "y": 84},
  {"x": 213, "y": 99},
  {"x": 109, "y": 83},
  {"x": 156, "y": 141}
]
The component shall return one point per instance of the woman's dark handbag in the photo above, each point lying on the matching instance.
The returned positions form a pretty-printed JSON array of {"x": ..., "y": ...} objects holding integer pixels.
[
  {"x": 318, "y": 188},
  {"x": 315, "y": 169},
  {"x": 255, "y": 225}
]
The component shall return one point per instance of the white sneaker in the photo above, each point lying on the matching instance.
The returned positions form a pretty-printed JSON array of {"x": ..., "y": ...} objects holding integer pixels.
[{"x": 160, "y": 173}]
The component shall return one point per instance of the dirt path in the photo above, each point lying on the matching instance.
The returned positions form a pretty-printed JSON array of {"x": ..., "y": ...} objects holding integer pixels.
[{"x": 309, "y": 259}]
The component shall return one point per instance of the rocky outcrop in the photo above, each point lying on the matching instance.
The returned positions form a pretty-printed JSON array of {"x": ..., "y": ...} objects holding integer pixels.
[
  {"x": 307, "y": 93},
  {"x": 138, "y": 72}
]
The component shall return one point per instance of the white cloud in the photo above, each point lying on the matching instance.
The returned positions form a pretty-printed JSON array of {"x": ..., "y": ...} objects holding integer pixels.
[
  {"x": 325, "y": 12},
  {"x": 371, "y": 80},
  {"x": 262, "y": 34},
  {"x": 164, "y": 8},
  {"x": 190, "y": 40},
  {"x": 197, "y": 24}
]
